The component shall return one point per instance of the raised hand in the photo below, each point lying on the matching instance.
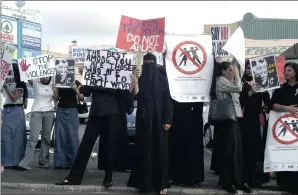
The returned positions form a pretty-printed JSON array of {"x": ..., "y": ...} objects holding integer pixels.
[{"x": 23, "y": 65}]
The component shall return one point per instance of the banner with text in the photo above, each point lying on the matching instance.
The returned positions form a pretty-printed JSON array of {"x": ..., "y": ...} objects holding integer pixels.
[
  {"x": 281, "y": 152},
  {"x": 220, "y": 35},
  {"x": 7, "y": 51},
  {"x": 141, "y": 35},
  {"x": 37, "y": 67},
  {"x": 189, "y": 65},
  {"x": 264, "y": 73},
  {"x": 65, "y": 72},
  {"x": 107, "y": 69}
]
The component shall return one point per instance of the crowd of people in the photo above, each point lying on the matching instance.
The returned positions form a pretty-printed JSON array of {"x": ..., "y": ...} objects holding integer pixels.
[{"x": 169, "y": 134}]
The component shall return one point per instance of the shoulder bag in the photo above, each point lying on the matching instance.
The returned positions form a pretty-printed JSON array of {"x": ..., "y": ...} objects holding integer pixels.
[{"x": 221, "y": 110}]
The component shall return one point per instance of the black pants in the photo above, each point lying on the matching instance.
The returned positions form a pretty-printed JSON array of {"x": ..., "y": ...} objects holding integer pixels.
[{"x": 108, "y": 127}]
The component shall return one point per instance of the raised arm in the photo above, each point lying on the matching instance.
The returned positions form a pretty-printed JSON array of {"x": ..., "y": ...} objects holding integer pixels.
[{"x": 224, "y": 85}]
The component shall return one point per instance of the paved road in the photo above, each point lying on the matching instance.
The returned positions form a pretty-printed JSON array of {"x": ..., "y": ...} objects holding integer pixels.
[
  {"x": 92, "y": 176},
  {"x": 31, "y": 192}
]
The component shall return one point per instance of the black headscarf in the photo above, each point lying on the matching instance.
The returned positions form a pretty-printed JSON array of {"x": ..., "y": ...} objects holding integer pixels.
[
  {"x": 245, "y": 77},
  {"x": 151, "y": 83}
]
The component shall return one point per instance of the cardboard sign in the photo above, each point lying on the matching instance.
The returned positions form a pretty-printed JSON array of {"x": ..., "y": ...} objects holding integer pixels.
[
  {"x": 6, "y": 54},
  {"x": 107, "y": 69},
  {"x": 37, "y": 67},
  {"x": 141, "y": 35}
]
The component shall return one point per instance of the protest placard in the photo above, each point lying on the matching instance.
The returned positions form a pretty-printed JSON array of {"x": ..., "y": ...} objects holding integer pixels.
[
  {"x": 264, "y": 73},
  {"x": 107, "y": 69},
  {"x": 281, "y": 142},
  {"x": 189, "y": 66},
  {"x": 220, "y": 35},
  {"x": 37, "y": 67},
  {"x": 141, "y": 35},
  {"x": 65, "y": 72},
  {"x": 7, "y": 51}
]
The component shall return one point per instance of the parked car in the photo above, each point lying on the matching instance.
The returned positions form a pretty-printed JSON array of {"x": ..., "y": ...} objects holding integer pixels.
[
  {"x": 207, "y": 128},
  {"x": 85, "y": 116},
  {"x": 131, "y": 125}
]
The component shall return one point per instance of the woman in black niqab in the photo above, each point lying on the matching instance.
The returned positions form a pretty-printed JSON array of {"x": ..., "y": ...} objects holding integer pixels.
[
  {"x": 154, "y": 117},
  {"x": 254, "y": 129}
]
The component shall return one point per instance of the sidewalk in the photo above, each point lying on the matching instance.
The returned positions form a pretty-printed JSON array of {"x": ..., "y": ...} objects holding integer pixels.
[{"x": 44, "y": 180}]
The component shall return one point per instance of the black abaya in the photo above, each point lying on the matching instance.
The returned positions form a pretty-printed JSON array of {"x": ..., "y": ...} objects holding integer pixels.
[
  {"x": 251, "y": 133},
  {"x": 186, "y": 144},
  {"x": 150, "y": 170}
]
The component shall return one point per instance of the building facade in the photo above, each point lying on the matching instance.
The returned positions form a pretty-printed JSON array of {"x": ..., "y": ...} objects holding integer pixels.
[
  {"x": 263, "y": 36},
  {"x": 21, "y": 26}
]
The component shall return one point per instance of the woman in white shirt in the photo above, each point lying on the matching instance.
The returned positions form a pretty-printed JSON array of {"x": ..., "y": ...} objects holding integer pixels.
[
  {"x": 13, "y": 128},
  {"x": 42, "y": 119}
]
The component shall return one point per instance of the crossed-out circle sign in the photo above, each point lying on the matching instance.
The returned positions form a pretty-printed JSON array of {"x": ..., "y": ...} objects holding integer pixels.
[
  {"x": 191, "y": 59},
  {"x": 285, "y": 129}
]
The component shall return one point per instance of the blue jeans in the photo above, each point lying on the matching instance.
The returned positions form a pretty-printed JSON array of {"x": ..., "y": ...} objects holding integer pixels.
[
  {"x": 13, "y": 136},
  {"x": 66, "y": 137}
]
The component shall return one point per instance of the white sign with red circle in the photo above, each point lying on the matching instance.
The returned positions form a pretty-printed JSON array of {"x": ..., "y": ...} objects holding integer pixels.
[{"x": 189, "y": 65}]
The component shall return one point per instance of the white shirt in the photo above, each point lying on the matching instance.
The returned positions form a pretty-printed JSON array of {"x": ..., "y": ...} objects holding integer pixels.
[{"x": 43, "y": 100}]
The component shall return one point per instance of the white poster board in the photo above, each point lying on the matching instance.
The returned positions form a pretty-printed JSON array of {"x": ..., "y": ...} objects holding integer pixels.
[
  {"x": 281, "y": 153},
  {"x": 189, "y": 65},
  {"x": 37, "y": 67},
  {"x": 107, "y": 69},
  {"x": 6, "y": 55}
]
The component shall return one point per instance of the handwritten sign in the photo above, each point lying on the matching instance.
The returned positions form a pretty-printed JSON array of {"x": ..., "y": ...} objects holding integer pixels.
[
  {"x": 141, "y": 35},
  {"x": 37, "y": 67},
  {"x": 65, "y": 72},
  {"x": 6, "y": 56},
  {"x": 107, "y": 69}
]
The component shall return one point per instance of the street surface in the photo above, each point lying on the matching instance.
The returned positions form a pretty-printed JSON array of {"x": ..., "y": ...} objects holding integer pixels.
[
  {"x": 33, "y": 192},
  {"x": 92, "y": 176}
]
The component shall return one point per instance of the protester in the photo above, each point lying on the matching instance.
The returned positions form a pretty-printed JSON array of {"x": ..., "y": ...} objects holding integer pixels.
[
  {"x": 285, "y": 99},
  {"x": 107, "y": 117},
  {"x": 231, "y": 175},
  {"x": 154, "y": 116},
  {"x": 254, "y": 129},
  {"x": 67, "y": 126},
  {"x": 41, "y": 119},
  {"x": 13, "y": 128}
]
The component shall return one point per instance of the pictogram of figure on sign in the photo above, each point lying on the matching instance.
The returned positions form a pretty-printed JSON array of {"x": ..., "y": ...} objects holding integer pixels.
[
  {"x": 284, "y": 129},
  {"x": 294, "y": 125},
  {"x": 184, "y": 58},
  {"x": 195, "y": 56}
]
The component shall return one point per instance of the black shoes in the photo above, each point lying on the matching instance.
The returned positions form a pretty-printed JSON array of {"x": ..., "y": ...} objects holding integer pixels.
[
  {"x": 245, "y": 188},
  {"x": 107, "y": 184},
  {"x": 231, "y": 189}
]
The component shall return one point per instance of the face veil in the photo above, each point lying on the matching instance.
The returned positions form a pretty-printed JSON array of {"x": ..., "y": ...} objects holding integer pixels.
[{"x": 151, "y": 81}]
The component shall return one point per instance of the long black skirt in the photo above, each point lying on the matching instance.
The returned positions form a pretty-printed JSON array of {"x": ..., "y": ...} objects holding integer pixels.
[{"x": 230, "y": 159}]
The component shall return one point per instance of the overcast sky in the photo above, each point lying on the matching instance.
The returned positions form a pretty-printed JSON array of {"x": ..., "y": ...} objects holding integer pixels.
[{"x": 97, "y": 22}]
